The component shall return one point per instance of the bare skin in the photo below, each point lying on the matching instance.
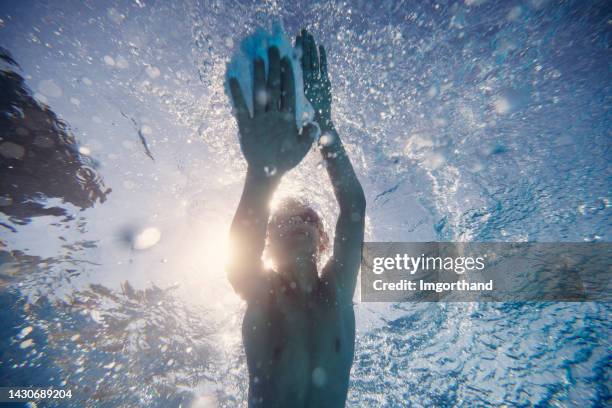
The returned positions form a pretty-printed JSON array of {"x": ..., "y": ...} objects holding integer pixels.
[{"x": 299, "y": 327}]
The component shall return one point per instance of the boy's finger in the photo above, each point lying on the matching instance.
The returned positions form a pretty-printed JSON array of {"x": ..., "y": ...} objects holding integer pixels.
[
  {"x": 306, "y": 56},
  {"x": 299, "y": 44},
  {"x": 314, "y": 57},
  {"x": 323, "y": 57},
  {"x": 242, "y": 111},
  {"x": 274, "y": 79},
  {"x": 259, "y": 86},
  {"x": 287, "y": 86}
]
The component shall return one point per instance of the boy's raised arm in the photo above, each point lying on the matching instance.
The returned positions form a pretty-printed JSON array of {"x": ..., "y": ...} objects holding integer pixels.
[
  {"x": 272, "y": 145},
  {"x": 343, "y": 267}
]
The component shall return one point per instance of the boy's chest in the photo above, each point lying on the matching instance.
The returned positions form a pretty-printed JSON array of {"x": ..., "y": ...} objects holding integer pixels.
[{"x": 291, "y": 329}]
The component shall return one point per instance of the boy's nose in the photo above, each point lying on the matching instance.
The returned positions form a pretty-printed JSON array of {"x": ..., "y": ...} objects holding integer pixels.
[{"x": 296, "y": 219}]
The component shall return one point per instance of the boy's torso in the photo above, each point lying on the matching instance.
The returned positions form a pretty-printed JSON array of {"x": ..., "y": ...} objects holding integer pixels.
[{"x": 299, "y": 350}]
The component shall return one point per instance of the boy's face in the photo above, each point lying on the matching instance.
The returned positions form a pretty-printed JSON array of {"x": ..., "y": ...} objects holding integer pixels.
[{"x": 295, "y": 232}]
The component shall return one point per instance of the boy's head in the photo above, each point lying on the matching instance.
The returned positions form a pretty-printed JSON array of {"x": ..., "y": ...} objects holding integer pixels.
[{"x": 295, "y": 230}]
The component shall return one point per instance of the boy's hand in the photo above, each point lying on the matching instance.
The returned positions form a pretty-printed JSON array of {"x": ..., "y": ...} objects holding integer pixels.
[
  {"x": 317, "y": 86},
  {"x": 270, "y": 140}
]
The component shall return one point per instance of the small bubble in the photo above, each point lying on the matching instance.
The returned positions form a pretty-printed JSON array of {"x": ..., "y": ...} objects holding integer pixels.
[
  {"x": 121, "y": 62},
  {"x": 514, "y": 13},
  {"x": 261, "y": 97},
  {"x": 115, "y": 16},
  {"x": 270, "y": 171},
  {"x": 319, "y": 377},
  {"x": 26, "y": 343},
  {"x": 146, "y": 239},
  {"x": 49, "y": 88},
  {"x": 10, "y": 150},
  {"x": 326, "y": 139},
  {"x": 477, "y": 167},
  {"x": 24, "y": 332},
  {"x": 153, "y": 72},
  {"x": 433, "y": 91},
  {"x": 502, "y": 105},
  {"x": 108, "y": 60}
]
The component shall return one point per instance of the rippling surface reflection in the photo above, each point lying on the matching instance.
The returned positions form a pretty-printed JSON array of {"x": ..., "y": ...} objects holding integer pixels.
[{"x": 120, "y": 170}]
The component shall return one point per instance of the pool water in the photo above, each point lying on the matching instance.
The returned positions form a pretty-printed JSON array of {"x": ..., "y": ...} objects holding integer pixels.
[{"x": 120, "y": 171}]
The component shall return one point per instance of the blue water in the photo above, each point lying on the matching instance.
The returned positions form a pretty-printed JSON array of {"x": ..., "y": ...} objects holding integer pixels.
[{"x": 465, "y": 121}]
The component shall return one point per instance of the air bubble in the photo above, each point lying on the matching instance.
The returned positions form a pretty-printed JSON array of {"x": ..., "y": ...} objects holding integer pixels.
[
  {"x": 502, "y": 105},
  {"x": 26, "y": 343},
  {"x": 49, "y": 88},
  {"x": 262, "y": 98},
  {"x": 319, "y": 377},
  {"x": 326, "y": 139},
  {"x": 153, "y": 72},
  {"x": 121, "y": 62},
  {"x": 25, "y": 332},
  {"x": 270, "y": 171},
  {"x": 10, "y": 150},
  {"x": 108, "y": 60},
  {"x": 146, "y": 239}
]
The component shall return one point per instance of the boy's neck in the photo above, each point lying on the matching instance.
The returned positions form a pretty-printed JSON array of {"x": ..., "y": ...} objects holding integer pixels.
[{"x": 302, "y": 271}]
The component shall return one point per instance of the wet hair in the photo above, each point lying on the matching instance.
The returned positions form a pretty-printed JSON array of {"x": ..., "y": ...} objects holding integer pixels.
[{"x": 300, "y": 208}]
